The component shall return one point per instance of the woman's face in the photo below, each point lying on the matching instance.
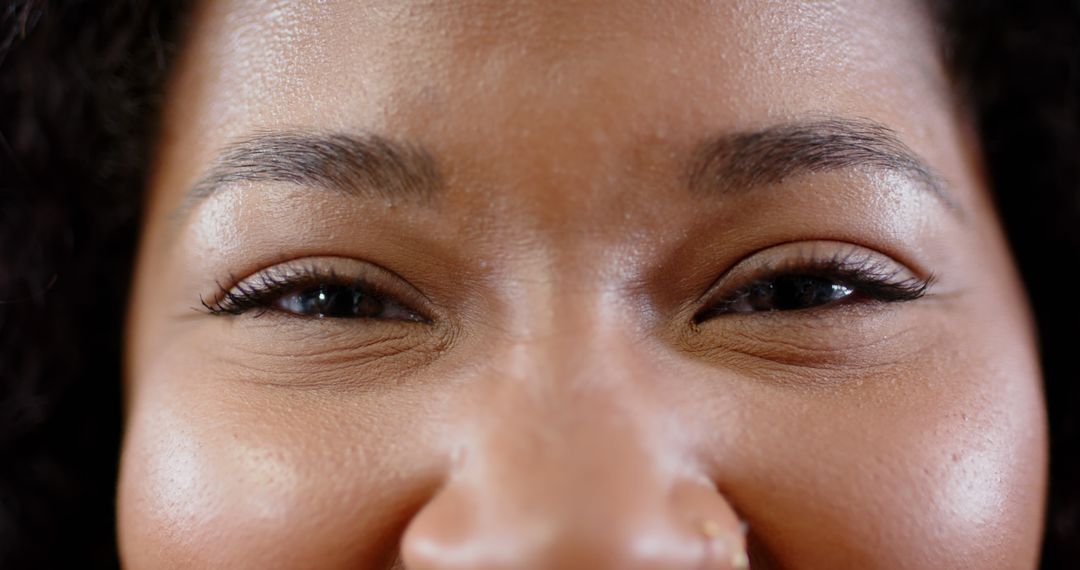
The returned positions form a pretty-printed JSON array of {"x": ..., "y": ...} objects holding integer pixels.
[{"x": 604, "y": 285}]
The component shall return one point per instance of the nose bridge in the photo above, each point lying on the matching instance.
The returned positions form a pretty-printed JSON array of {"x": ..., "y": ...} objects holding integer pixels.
[
  {"x": 572, "y": 443},
  {"x": 569, "y": 330},
  {"x": 571, "y": 388},
  {"x": 567, "y": 435},
  {"x": 565, "y": 465}
]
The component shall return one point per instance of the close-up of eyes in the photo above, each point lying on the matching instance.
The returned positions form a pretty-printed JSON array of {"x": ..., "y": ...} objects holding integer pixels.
[
  {"x": 806, "y": 279},
  {"x": 313, "y": 290},
  {"x": 784, "y": 278}
]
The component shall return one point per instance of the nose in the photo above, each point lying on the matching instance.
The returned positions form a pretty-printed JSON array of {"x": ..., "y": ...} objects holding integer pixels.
[
  {"x": 581, "y": 482},
  {"x": 605, "y": 526}
]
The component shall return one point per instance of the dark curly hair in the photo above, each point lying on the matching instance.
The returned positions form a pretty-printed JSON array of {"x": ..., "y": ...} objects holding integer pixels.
[{"x": 80, "y": 85}]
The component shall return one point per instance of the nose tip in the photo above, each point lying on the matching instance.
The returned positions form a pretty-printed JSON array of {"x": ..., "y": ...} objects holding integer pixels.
[{"x": 689, "y": 527}]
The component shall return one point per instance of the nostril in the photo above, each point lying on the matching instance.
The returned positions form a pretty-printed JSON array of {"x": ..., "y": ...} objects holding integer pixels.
[
  {"x": 439, "y": 536},
  {"x": 714, "y": 520},
  {"x": 477, "y": 528},
  {"x": 723, "y": 547}
]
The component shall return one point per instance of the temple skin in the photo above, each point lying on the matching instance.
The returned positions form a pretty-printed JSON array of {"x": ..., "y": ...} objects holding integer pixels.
[{"x": 560, "y": 402}]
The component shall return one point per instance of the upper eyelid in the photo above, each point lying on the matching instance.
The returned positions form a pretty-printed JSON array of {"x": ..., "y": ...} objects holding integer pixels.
[
  {"x": 301, "y": 272},
  {"x": 844, "y": 251},
  {"x": 854, "y": 275},
  {"x": 825, "y": 269},
  {"x": 709, "y": 310},
  {"x": 233, "y": 303},
  {"x": 721, "y": 289}
]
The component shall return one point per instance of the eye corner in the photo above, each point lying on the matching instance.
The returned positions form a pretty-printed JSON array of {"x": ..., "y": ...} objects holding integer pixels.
[
  {"x": 707, "y": 313},
  {"x": 215, "y": 308}
]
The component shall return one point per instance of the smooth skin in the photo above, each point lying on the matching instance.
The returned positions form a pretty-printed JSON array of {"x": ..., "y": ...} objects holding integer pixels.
[{"x": 551, "y": 391}]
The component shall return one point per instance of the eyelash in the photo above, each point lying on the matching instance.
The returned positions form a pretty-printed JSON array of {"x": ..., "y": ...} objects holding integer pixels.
[
  {"x": 864, "y": 276},
  {"x": 267, "y": 289}
]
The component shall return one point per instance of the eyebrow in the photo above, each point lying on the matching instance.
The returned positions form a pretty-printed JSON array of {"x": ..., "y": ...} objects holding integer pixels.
[
  {"x": 373, "y": 166},
  {"x": 363, "y": 165},
  {"x": 737, "y": 162}
]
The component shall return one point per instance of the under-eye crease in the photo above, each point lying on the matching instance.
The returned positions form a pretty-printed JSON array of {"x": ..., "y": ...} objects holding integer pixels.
[
  {"x": 310, "y": 291},
  {"x": 805, "y": 282}
]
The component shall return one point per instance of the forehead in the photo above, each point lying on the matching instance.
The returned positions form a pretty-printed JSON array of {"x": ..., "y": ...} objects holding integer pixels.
[{"x": 492, "y": 82}]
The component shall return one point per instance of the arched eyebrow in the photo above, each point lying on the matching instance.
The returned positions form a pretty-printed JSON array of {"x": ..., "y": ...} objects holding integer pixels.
[{"x": 738, "y": 162}]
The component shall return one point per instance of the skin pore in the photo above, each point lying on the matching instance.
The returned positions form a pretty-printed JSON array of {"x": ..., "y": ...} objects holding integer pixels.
[{"x": 545, "y": 238}]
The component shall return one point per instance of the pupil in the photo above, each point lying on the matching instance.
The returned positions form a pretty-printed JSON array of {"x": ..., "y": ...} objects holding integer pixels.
[
  {"x": 338, "y": 301},
  {"x": 795, "y": 292}
]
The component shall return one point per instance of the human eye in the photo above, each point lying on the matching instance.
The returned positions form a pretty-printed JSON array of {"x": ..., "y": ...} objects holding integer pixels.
[
  {"x": 813, "y": 276},
  {"x": 322, "y": 288}
]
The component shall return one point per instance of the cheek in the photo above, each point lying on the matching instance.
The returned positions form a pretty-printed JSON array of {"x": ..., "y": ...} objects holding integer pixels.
[
  {"x": 228, "y": 479},
  {"x": 911, "y": 470}
]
